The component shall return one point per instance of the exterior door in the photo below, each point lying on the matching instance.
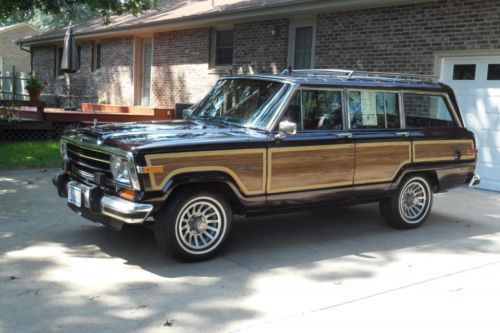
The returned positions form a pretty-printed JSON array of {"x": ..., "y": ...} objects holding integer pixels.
[
  {"x": 382, "y": 147},
  {"x": 476, "y": 82},
  {"x": 317, "y": 163}
]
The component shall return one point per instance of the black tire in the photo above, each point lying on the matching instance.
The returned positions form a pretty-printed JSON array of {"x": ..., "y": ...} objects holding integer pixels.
[
  {"x": 182, "y": 235},
  {"x": 410, "y": 205}
]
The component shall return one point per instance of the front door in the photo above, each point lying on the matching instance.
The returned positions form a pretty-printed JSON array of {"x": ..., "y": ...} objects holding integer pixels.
[
  {"x": 317, "y": 163},
  {"x": 382, "y": 147}
]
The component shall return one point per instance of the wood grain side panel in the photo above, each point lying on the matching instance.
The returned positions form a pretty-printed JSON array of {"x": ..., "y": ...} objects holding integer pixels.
[
  {"x": 442, "y": 150},
  {"x": 380, "y": 162},
  {"x": 306, "y": 168},
  {"x": 246, "y": 166}
]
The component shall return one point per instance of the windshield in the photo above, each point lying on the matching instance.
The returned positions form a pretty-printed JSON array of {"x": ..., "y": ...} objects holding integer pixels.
[{"x": 241, "y": 102}]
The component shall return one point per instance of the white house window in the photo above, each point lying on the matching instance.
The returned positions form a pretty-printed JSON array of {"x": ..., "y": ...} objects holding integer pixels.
[
  {"x": 301, "y": 51},
  {"x": 222, "y": 48},
  {"x": 147, "y": 61}
]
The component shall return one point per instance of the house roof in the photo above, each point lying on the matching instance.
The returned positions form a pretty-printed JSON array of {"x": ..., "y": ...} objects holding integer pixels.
[
  {"x": 180, "y": 14},
  {"x": 11, "y": 27}
]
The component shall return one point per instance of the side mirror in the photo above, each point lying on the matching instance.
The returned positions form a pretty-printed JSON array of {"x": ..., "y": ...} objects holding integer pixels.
[
  {"x": 288, "y": 127},
  {"x": 186, "y": 113}
]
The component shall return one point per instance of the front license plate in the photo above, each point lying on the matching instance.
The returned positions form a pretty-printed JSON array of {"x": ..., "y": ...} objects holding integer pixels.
[{"x": 75, "y": 195}]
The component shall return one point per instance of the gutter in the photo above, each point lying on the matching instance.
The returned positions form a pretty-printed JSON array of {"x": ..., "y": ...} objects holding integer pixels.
[
  {"x": 260, "y": 12},
  {"x": 31, "y": 56}
]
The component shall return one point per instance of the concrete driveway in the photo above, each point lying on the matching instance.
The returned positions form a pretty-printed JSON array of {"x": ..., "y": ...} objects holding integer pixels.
[{"x": 327, "y": 270}]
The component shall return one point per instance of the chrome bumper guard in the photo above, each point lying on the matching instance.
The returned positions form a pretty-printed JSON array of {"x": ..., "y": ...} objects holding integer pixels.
[
  {"x": 115, "y": 207},
  {"x": 475, "y": 180}
]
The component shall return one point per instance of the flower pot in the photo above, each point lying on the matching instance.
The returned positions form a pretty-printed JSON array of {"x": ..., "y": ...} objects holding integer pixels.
[{"x": 35, "y": 95}]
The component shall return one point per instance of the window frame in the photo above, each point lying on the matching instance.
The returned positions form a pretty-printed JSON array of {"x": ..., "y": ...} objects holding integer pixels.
[
  {"x": 446, "y": 99},
  {"x": 58, "y": 73},
  {"x": 372, "y": 89},
  {"x": 291, "y": 43},
  {"x": 299, "y": 90},
  {"x": 213, "y": 49},
  {"x": 93, "y": 56}
]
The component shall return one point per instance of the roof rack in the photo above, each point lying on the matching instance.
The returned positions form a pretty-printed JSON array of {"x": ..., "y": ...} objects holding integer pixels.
[{"x": 353, "y": 74}]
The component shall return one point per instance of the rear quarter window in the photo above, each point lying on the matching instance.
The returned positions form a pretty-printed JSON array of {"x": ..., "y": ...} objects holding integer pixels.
[{"x": 423, "y": 110}]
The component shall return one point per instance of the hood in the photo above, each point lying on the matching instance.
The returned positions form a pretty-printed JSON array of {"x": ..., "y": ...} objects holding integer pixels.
[{"x": 172, "y": 135}]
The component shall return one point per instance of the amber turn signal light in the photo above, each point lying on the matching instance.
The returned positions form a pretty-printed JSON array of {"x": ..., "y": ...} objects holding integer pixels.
[
  {"x": 152, "y": 169},
  {"x": 128, "y": 195}
]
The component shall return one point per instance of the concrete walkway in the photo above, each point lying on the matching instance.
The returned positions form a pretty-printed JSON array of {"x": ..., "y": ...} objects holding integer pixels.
[{"x": 327, "y": 270}]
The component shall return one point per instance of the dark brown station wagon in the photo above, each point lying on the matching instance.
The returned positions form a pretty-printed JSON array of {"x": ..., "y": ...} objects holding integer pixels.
[{"x": 269, "y": 143}]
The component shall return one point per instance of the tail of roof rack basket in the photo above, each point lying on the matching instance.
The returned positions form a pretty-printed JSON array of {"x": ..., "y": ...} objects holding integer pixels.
[{"x": 353, "y": 74}]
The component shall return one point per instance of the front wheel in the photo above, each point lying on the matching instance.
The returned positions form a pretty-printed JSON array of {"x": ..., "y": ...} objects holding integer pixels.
[
  {"x": 410, "y": 205},
  {"x": 193, "y": 226}
]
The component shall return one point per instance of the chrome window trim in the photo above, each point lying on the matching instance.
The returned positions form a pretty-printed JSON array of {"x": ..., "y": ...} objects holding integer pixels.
[
  {"x": 402, "y": 120},
  {"x": 282, "y": 107},
  {"x": 437, "y": 93}
]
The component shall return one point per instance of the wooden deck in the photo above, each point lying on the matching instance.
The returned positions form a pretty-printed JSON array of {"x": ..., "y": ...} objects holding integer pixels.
[{"x": 31, "y": 112}]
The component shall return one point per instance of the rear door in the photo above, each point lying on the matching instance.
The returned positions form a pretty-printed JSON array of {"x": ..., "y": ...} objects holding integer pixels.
[
  {"x": 317, "y": 163},
  {"x": 435, "y": 127},
  {"x": 382, "y": 147}
]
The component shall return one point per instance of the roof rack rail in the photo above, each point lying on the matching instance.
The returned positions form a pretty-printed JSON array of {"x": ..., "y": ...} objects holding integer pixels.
[{"x": 354, "y": 74}]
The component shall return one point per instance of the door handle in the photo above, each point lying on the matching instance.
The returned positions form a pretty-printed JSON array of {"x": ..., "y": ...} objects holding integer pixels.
[
  {"x": 344, "y": 135},
  {"x": 403, "y": 133}
]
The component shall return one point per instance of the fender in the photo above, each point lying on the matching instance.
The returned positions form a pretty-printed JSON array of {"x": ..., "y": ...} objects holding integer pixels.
[
  {"x": 248, "y": 203},
  {"x": 448, "y": 175}
]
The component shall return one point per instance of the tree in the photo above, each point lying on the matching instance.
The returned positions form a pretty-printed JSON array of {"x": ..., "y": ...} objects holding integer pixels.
[{"x": 12, "y": 11}]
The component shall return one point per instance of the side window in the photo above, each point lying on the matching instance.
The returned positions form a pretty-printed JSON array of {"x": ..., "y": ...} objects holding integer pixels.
[
  {"x": 426, "y": 111},
  {"x": 316, "y": 110},
  {"x": 293, "y": 112},
  {"x": 373, "y": 109},
  {"x": 322, "y": 110}
]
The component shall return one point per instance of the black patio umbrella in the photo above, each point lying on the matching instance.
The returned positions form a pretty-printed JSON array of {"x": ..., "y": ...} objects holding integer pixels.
[{"x": 69, "y": 62}]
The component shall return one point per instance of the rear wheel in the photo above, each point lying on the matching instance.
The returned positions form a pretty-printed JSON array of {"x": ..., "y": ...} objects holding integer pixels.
[
  {"x": 410, "y": 205},
  {"x": 193, "y": 226}
]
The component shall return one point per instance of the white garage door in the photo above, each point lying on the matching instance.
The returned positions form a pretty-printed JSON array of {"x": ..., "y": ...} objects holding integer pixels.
[{"x": 476, "y": 81}]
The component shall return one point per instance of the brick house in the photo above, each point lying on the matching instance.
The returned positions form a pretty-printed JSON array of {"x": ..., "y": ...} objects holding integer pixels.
[
  {"x": 176, "y": 54},
  {"x": 10, "y": 53}
]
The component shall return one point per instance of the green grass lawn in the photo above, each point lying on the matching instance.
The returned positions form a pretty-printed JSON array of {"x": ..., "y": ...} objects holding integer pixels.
[{"x": 26, "y": 155}]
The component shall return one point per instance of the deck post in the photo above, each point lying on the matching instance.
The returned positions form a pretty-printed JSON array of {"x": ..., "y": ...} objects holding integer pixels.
[{"x": 14, "y": 92}]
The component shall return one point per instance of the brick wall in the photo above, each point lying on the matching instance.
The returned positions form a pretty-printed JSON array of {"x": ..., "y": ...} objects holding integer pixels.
[
  {"x": 43, "y": 62},
  {"x": 257, "y": 50},
  {"x": 181, "y": 67},
  {"x": 112, "y": 83},
  {"x": 405, "y": 38}
]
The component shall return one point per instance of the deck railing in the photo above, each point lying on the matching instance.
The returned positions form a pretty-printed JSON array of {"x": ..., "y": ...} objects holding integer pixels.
[{"x": 12, "y": 85}]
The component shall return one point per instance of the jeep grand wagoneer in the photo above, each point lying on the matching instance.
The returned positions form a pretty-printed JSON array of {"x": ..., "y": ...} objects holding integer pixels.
[{"x": 266, "y": 143}]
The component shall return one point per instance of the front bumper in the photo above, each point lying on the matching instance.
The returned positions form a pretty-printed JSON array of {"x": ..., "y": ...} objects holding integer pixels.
[{"x": 101, "y": 207}]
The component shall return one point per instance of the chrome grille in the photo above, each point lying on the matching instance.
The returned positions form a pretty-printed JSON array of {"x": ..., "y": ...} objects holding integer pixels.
[{"x": 88, "y": 159}]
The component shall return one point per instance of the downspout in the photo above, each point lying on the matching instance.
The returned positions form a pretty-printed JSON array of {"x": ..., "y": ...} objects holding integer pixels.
[{"x": 31, "y": 56}]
